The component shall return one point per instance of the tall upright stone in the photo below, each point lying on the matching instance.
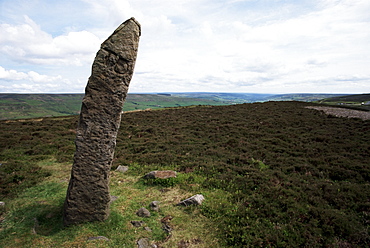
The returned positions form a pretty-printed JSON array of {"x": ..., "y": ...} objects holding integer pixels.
[{"x": 88, "y": 196}]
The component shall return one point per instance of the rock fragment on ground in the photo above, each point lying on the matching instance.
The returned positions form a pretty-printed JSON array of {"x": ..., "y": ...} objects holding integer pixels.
[
  {"x": 143, "y": 212},
  {"x": 166, "y": 228},
  {"x": 154, "y": 206},
  {"x": 194, "y": 200},
  {"x": 136, "y": 223},
  {"x": 98, "y": 238},
  {"x": 166, "y": 224},
  {"x": 113, "y": 198},
  {"x": 145, "y": 243},
  {"x": 122, "y": 168},
  {"x": 160, "y": 174}
]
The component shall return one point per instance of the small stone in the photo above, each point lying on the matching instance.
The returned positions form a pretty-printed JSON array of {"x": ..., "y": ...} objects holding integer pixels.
[
  {"x": 143, "y": 212},
  {"x": 166, "y": 219},
  {"x": 154, "y": 205},
  {"x": 122, "y": 168},
  {"x": 98, "y": 238},
  {"x": 136, "y": 223},
  {"x": 147, "y": 229},
  {"x": 113, "y": 198},
  {"x": 194, "y": 200},
  {"x": 166, "y": 228},
  {"x": 35, "y": 226},
  {"x": 144, "y": 243},
  {"x": 160, "y": 174},
  {"x": 183, "y": 244},
  {"x": 2, "y": 204}
]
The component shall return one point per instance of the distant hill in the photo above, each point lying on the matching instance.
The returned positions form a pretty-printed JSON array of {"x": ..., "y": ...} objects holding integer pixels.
[
  {"x": 23, "y": 106},
  {"x": 234, "y": 98},
  {"x": 302, "y": 97},
  {"x": 358, "y": 101}
]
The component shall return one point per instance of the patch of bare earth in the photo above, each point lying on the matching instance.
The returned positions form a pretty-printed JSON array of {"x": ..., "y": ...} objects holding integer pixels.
[{"x": 342, "y": 112}]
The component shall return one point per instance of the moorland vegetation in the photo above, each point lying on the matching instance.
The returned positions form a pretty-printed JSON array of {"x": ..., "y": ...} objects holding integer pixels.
[{"x": 274, "y": 174}]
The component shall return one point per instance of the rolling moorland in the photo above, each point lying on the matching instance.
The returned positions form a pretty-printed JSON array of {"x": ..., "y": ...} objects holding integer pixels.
[
  {"x": 22, "y": 106},
  {"x": 273, "y": 174}
]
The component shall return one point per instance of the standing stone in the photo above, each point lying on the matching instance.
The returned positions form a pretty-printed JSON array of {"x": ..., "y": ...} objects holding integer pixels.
[{"x": 88, "y": 191}]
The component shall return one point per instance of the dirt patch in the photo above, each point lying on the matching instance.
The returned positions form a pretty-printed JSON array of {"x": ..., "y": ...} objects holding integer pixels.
[{"x": 342, "y": 112}]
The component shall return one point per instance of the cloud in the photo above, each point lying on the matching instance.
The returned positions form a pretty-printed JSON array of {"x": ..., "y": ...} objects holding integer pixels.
[
  {"x": 203, "y": 45},
  {"x": 13, "y": 81},
  {"x": 12, "y": 74},
  {"x": 28, "y": 43}
]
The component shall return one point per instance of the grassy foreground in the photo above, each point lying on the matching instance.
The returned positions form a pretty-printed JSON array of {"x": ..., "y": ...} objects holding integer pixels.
[
  {"x": 33, "y": 219},
  {"x": 273, "y": 174}
]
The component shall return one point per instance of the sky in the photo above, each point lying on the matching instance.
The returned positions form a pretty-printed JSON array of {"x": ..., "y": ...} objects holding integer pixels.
[{"x": 240, "y": 46}]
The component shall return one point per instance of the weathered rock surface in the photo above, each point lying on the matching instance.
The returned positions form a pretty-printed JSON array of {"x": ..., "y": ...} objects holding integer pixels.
[
  {"x": 88, "y": 192},
  {"x": 143, "y": 212},
  {"x": 160, "y": 174},
  {"x": 194, "y": 200}
]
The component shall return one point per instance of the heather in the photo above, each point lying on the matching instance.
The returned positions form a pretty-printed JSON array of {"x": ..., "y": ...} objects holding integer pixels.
[{"x": 274, "y": 174}]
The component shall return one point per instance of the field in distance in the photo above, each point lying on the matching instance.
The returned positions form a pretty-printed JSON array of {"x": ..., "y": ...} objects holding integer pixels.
[{"x": 24, "y": 106}]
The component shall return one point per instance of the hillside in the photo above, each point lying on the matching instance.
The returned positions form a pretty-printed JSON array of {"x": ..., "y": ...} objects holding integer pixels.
[
  {"x": 273, "y": 174},
  {"x": 235, "y": 98},
  {"x": 358, "y": 101},
  {"x": 23, "y": 106}
]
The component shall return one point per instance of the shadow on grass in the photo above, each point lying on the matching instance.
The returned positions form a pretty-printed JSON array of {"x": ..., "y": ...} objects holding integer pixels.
[
  {"x": 39, "y": 218},
  {"x": 49, "y": 220}
]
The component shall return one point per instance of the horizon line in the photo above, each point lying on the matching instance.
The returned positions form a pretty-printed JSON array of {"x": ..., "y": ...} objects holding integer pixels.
[{"x": 183, "y": 92}]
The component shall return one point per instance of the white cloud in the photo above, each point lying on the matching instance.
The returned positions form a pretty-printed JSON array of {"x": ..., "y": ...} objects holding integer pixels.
[
  {"x": 204, "y": 45},
  {"x": 28, "y": 43},
  {"x": 15, "y": 81},
  {"x": 12, "y": 74}
]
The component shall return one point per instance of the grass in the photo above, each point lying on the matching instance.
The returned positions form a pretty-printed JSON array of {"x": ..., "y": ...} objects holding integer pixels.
[
  {"x": 273, "y": 174},
  {"x": 33, "y": 218}
]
